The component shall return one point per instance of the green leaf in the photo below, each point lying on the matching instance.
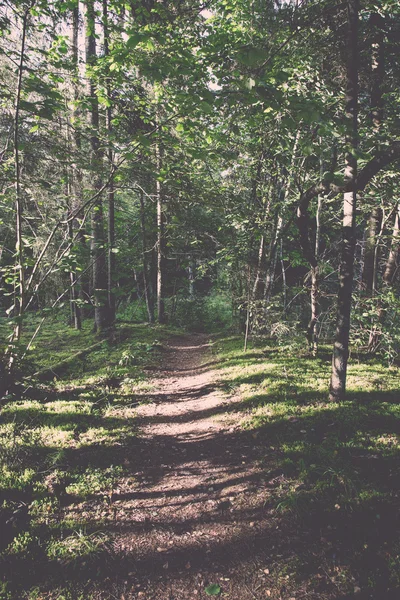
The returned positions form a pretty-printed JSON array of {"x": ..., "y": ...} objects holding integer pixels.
[
  {"x": 213, "y": 589},
  {"x": 134, "y": 40},
  {"x": 150, "y": 45}
]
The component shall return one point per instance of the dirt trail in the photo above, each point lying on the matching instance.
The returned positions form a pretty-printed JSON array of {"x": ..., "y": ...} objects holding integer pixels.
[{"x": 198, "y": 513}]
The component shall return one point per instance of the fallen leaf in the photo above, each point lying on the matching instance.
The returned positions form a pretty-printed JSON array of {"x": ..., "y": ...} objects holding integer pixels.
[{"x": 213, "y": 589}]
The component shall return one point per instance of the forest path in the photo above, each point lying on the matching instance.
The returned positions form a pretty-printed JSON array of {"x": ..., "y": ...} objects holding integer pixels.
[{"x": 198, "y": 513}]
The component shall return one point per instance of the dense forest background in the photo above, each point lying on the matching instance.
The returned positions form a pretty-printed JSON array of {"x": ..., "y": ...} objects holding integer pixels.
[{"x": 202, "y": 164}]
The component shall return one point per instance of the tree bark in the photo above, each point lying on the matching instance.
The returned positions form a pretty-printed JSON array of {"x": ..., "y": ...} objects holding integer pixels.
[
  {"x": 346, "y": 273},
  {"x": 19, "y": 286},
  {"x": 391, "y": 263},
  {"x": 82, "y": 291},
  {"x": 388, "y": 278},
  {"x": 111, "y": 263},
  {"x": 147, "y": 285},
  {"x": 257, "y": 287},
  {"x": 161, "y": 317},
  {"x": 75, "y": 310},
  {"x": 377, "y": 74},
  {"x": 100, "y": 291},
  {"x": 370, "y": 253}
]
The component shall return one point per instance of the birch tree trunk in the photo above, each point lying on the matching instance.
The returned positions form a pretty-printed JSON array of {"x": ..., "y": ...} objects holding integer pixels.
[{"x": 160, "y": 243}]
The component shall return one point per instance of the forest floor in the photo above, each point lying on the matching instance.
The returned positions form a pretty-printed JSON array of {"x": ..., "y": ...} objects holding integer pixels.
[{"x": 218, "y": 473}]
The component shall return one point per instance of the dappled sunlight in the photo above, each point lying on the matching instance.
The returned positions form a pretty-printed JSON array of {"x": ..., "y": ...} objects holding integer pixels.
[{"x": 238, "y": 471}]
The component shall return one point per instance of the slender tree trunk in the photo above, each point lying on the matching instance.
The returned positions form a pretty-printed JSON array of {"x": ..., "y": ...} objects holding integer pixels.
[
  {"x": 377, "y": 70},
  {"x": 257, "y": 291},
  {"x": 391, "y": 263},
  {"x": 83, "y": 290},
  {"x": 284, "y": 286},
  {"x": 75, "y": 310},
  {"x": 312, "y": 330},
  {"x": 146, "y": 275},
  {"x": 160, "y": 243},
  {"x": 346, "y": 274},
  {"x": 111, "y": 191},
  {"x": 71, "y": 202},
  {"x": 371, "y": 253},
  {"x": 100, "y": 291},
  {"x": 272, "y": 258},
  {"x": 248, "y": 311},
  {"x": 388, "y": 278},
  {"x": 375, "y": 225},
  {"x": 191, "y": 276},
  {"x": 19, "y": 287}
]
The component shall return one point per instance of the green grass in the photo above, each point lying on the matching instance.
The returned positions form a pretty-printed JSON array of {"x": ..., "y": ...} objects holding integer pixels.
[
  {"x": 64, "y": 446},
  {"x": 339, "y": 462}
]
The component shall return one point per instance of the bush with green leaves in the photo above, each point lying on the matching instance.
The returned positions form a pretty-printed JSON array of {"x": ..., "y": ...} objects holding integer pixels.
[{"x": 210, "y": 313}]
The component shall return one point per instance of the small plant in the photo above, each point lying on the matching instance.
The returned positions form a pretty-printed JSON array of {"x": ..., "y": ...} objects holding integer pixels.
[
  {"x": 95, "y": 481},
  {"x": 5, "y": 593},
  {"x": 21, "y": 544},
  {"x": 78, "y": 545},
  {"x": 213, "y": 589}
]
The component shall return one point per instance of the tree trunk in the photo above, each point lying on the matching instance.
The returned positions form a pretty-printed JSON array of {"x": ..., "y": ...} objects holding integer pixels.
[
  {"x": 160, "y": 243},
  {"x": 111, "y": 192},
  {"x": 284, "y": 286},
  {"x": 391, "y": 263},
  {"x": 312, "y": 330},
  {"x": 346, "y": 273},
  {"x": 258, "y": 282},
  {"x": 286, "y": 188},
  {"x": 83, "y": 292},
  {"x": 146, "y": 275},
  {"x": 75, "y": 310},
  {"x": 377, "y": 70},
  {"x": 191, "y": 276},
  {"x": 19, "y": 286},
  {"x": 100, "y": 291},
  {"x": 388, "y": 278},
  {"x": 370, "y": 253}
]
